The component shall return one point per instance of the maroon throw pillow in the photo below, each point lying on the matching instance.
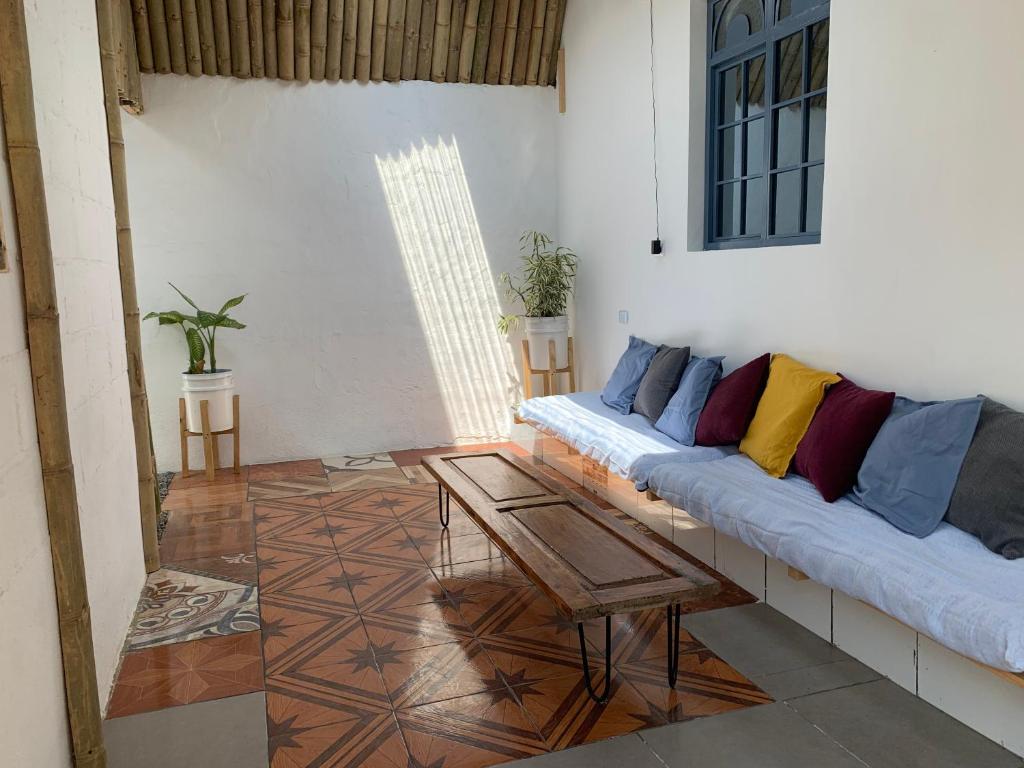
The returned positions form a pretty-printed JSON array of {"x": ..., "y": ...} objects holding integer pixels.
[
  {"x": 730, "y": 409},
  {"x": 843, "y": 429}
]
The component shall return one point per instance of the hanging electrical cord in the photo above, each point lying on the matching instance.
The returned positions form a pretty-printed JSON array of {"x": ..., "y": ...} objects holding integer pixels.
[{"x": 656, "y": 243}]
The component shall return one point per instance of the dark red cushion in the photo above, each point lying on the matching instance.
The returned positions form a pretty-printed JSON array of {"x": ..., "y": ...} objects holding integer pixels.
[
  {"x": 730, "y": 409},
  {"x": 834, "y": 447}
]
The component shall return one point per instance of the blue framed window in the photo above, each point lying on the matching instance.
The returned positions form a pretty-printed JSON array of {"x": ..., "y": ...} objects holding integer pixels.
[{"x": 767, "y": 103}]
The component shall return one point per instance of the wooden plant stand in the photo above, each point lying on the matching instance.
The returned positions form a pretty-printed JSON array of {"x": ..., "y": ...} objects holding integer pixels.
[
  {"x": 548, "y": 373},
  {"x": 210, "y": 449}
]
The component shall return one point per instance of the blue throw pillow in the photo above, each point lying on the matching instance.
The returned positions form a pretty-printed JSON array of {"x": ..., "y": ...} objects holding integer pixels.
[
  {"x": 620, "y": 391},
  {"x": 679, "y": 419},
  {"x": 911, "y": 468}
]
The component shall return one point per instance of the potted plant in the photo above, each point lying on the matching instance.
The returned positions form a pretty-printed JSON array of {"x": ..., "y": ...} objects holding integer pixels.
[
  {"x": 547, "y": 280},
  {"x": 216, "y": 385}
]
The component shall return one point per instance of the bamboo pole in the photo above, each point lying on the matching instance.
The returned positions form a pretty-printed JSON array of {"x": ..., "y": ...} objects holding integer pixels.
[
  {"x": 483, "y": 41},
  {"x": 238, "y": 18},
  {"x": 555, "y": 73},
  {"x": 493, "y": 70},
  {"x": 379, "y": 40},
  {"x": 207, "y": 38},
  {"x": 318, "y": 40},
  {"x": 270, "y": 38},
  {"x": 222, "y": 36},
  {"x": 425, "y": 59},
  {"x": 302, "y": 13},
  {"x": 349, "y": 32},
  {"x": 442, "y": 33},
  {"x": 547, "y": 51},
  {"x": 335, "y": 28},
  {"x": 44, "y": 345},
  {"x": 140, "y": 15},
  {"x": 395, "y": 40},
  {"x": 286, "y": 39},
  {"x": 469, "y": 29},
  {"x": 411, "y": 48},
  {"x": 540, "y": 9},
  {"x": 522, "y": 53},
  {"x": 175, "y": 36},
  {"x": 193, "y": 49},
  {"x": 158, "y": 36},
  {"x": 364, "y": 39},
  {"x": 132, "y": 99},
  {"x": 120, "y": 49},
  {"x": 256, "y": 65},
  {"x": 508, "y": 52},
  {"x": 455, "y": 40}
]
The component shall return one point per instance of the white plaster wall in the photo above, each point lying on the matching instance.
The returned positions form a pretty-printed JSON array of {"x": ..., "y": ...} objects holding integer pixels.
[
  {"x": 275, "y": 190},
  {"x": 916, "y": 283},
  {"x": 73, "y": 142}
]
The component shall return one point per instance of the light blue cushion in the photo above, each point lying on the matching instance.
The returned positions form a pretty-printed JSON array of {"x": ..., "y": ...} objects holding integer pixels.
[
  {"x": 679, "y": 419},
  {"x": 620, "y": 391},
  {"x": 911, "y": 468}
]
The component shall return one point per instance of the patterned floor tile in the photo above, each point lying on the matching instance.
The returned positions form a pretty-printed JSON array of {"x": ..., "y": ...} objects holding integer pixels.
[
  {"x": 183, "y": 673},
  {"x": 479, "y": 577},
  {"x": 470, "y": 732},
  {"x": 238, "y": 567},
  {"x": 362, "y": 462},
  {"x": 319, "y": 600},
  {"x": 304, "y": 523},
  {"x": 194, "y": 522},
  {"x": 165, "y": 584},
  {"x": 416, "y": 626},
  {"x": 356, "y": 535},
  {"x": 441, "y": 548},
  {"x": 417, "y": 474},
  {"x": 392, "y": 589},
  {"x": 286, "y": 470},
  {"x": 263, "y": 511},
  {"x": 360, "y": 479},
  {"x": 286, "y": 575},
  {"x": 436, "y": 673},
  {"x": 640, "y": 636},
  {"x": 221, "y": 477},
  {"x": 538, "y": 653},
  {"x": 491, "y": 613},
  {"x": 400, "y": 556},
  {"x": 429, "y": 524},
  {"x": 204, "y": 496},
  {"x": 207, "y": 542},
  {"x": 287, "y": 642},
  {"x": 283, "y": 550},
  {"x": 305, "y": 485},
  {"x": 387, "y": 503},
  {"x": 174, "y": 615}
]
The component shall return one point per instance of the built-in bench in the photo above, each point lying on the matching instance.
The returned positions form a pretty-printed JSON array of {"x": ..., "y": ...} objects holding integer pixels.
[{"x": 941, "y": 616}]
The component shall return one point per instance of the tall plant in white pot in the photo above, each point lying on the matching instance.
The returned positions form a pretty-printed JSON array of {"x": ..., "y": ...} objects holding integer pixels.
[
  {"x": 215, "y": 385},
  {"x": 547, "y": 280}
]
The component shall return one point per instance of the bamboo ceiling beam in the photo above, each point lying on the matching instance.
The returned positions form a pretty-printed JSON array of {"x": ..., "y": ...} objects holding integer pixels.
[
  {"x": 175, "y": 36},
  {"x": 395, "y": 41},
  {"x": 378, "y": 40},
  {"x": 44, "y": 346},
  {"x": 193, "y": 48},
  {"x": 483, "y": 41},
  {"x": 285, "y": 39},
  {"x": 455, "y": 40},
  {"x": 131, "y": 100},
  {"x": 364, "y": 40},
  {"x": 540, "y": 9},
  {"x": 522, "y": 53},
  {"x": 158, "y": 36},
  {"x": 468, "y": 48},
  {"x": 256, "y": 61},
  {"x": 303, "y": 9},
  {"x": 494, "y": 54},
  {"x": 442, "y": 33},
  {"x": 411, "y": 47},
  {"x": 318, "y": 40},
  {"x": 270, "y": 38},
  {"x": 335, "y": 28},
  {"x": 140, "y": 15},
  {"x": 559, "y": 55},
  {"x": 120, "y": 49},
  {"x": 207, "y": 39},
  {"x": 349, "y": 35},
  {"x": 238, "y": 18},
  {"x": 547, "y": 50},
  {"x": 508, "y": 53},
  {"x": 425, "y": 60},
  {"x": 222, "y": 37}
]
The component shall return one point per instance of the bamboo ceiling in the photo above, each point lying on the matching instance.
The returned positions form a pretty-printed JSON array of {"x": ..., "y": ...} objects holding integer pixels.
[{"x": 499, "y": 42}]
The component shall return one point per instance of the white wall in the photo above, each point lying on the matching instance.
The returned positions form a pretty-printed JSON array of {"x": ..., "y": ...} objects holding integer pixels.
[
  {"x": 367, "y": 224},
  {"x": 76, "y": 169},
  {"x": 916, "y": 283}
]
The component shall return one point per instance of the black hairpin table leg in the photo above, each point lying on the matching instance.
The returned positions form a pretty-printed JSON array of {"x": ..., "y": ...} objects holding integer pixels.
[
  {"x": 673, "y": 645},
  {"x": 444, "y": 509},
  {"x": 603, "y": 697}
]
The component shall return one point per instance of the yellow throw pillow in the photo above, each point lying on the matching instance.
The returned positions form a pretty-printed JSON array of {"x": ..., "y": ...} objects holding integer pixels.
[{"x": 784, "y": 414}]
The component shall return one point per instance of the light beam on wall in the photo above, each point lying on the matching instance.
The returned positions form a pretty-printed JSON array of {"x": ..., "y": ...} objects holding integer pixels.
[{"x": 452, "y": 285}]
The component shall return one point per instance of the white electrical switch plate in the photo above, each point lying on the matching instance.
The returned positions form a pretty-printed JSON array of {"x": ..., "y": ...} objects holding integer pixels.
[{"x": 624, "y": 316}]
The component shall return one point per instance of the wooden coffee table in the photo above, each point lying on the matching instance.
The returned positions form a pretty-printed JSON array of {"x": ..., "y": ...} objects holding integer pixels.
[{"x": 586, "y": 560}]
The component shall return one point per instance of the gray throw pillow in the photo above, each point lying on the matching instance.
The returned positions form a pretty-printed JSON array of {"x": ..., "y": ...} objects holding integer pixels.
[
  {"x": 989, "y": 498},
  {"x": 661, "y": 381}
]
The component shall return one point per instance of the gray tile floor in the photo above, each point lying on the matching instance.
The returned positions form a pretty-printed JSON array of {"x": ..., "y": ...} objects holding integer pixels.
[{"x": 830, "y": 710}]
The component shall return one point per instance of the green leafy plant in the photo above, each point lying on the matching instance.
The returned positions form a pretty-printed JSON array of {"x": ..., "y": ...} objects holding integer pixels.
[
  {"x": 547, "y": 281},
  {"x": 200, "y": 329}
]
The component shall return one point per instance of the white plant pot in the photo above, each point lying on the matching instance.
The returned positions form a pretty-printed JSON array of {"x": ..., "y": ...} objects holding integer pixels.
[
  {"x": 539, "y": 330},
  {"x": 218, "y": 388}
]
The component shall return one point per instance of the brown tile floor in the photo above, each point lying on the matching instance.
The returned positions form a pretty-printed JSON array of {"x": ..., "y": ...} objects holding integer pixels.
[{"x": 385, "y": 640}]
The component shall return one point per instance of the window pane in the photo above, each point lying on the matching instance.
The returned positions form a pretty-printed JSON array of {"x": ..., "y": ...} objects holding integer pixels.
[
  {"x": 729, "y": 210},
  {"x": 790, "y": 67},
  {"x": 755, "y": 146},
  {"x": 815, "y": 182},
  {"x": 819, "y": 55},
  {"x": 755, "y": 86},
  {"x": 740, "y": 19},
  {"x": 731, "y": 89},
  {"x": 792, "y": 7},
  {"x": 788, "y": 133},
  {"x": 730, "y": 153},
  {"x": 786, "y": 208},
  {"x": 816, "y": 128},
  {"x": 754, "y": 219}
]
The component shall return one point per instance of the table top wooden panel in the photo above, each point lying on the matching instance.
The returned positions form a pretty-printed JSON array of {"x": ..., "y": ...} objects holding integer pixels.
[{"x": 584, "y": 558}]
